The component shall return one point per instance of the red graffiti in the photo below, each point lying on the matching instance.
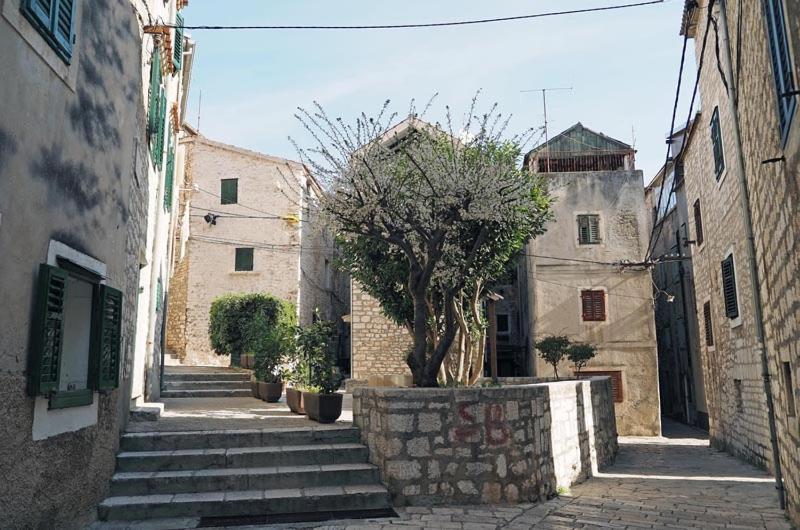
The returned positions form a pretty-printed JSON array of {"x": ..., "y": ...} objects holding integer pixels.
[{"x": 495, "y": 426}]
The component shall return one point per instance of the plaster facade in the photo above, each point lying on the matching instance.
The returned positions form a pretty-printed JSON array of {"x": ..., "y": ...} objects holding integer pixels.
[
  {"x": 72, "y": 178},
  {"x": 292, "y": 251},
  {"x": 625, "y": 337}
]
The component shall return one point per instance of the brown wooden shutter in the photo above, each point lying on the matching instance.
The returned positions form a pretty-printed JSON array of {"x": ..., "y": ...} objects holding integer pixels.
[
  {"x": 698, "y": 222},
  {"x": 709, "y": 330},
  {"x": 729, "y": 288},
  {"x": 593, "y": 305},
  {"x": 616, "y": 381}
]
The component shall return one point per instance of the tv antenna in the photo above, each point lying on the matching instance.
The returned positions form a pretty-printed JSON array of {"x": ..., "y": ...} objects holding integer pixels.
[{"x": 544, "y": 92}]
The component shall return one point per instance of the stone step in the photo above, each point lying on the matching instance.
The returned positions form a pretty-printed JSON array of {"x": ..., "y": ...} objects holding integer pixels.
[
  {"x": 202, "y": 384},
  {"x": 207, "y": 393},
  {"x": 279, "y": 455},
  {"x": 168, "y": 441},
  {"x": 240, "y": 479},
  {"x": 207, "y": 376},
  {"x": 245, "y": 502}
]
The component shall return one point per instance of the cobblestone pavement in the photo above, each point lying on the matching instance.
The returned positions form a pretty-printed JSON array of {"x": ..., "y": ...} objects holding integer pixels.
[{"x": 663, "y": 483}]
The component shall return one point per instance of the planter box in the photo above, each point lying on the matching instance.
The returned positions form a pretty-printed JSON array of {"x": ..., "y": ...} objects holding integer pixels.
[
  {"x": 270, "y": 392},
  {"x": 507, "y": 444},
  {"x": 294, "y": 398},
  {"x": 254, "y": 389},
  {"x": 323, "y": 408}
]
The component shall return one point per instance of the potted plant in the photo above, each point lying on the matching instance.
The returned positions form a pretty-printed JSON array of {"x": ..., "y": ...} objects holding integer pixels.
[
  {"x": 297, "y": 376},
  {"x": 321, "y": 401}
]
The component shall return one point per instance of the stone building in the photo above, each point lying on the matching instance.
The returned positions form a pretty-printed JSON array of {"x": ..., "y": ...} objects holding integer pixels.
[
  {"x": 741, "y": 172},
  {"x": 601, "y": 184},
  {"x": 80, "y": 167},
  {"x": 574, "y": 287},
  {"x": 248, "y": 225},
  {"x": 680, "y": 369}
]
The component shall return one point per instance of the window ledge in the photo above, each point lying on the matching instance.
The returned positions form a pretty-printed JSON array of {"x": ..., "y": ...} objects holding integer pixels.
[
  {"x": 244, "y": 273},
  {"x": 64, "y": 399},
  {"x": 735, "y": 322}
]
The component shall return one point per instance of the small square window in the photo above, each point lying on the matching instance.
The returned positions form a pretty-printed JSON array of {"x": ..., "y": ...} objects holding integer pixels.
[
  {"x": 589, "y": 229},
  {"x": 229, "y": 191},
  {"x": 244, "y": 259},
  {"x": 593, "y": 305}
]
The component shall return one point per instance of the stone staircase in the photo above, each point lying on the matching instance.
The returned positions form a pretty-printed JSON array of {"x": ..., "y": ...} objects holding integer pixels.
[
  {"x": 189, "y": 382},
  {"x": 236, "y": 475}
]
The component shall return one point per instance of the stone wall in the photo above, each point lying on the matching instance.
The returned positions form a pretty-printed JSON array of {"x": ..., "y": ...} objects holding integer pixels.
[
  {"x": 378, "y": 346},
  {"x": 487, "y": 445}
]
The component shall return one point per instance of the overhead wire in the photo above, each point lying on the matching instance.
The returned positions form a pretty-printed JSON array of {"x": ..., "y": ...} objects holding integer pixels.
[{"x": 421, "y": 25}]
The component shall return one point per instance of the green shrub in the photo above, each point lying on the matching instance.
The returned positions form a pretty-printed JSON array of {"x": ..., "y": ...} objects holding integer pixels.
[
  {"x": 553, "y": 349},
  {"x": 580, "y": 354},
  {"x": 254, "y": 323},
  {"x": 315, "y": 367}
]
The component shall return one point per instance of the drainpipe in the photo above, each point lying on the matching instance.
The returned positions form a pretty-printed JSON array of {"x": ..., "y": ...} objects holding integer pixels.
[{"x": 733, "y": 103}]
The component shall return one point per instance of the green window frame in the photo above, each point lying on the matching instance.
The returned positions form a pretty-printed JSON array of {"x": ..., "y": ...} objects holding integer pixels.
[
  {"x": 589, "y": 229},
  {"x": 716, "y": 144},
  {"x": 155, "y": 92},
  {"x": 55, "y": 21},
  {"x": 159, "y": 295},
  {"x": 48, "y": 335},
  {"x": 729, "y": 287},
  {"x": 244, "y": 259},
  {"x": 229, "y": 191},
  {"x": 177, "y": 56},
  {"x": 781, "y": 64},
  {"x": 169, "y": 176}
]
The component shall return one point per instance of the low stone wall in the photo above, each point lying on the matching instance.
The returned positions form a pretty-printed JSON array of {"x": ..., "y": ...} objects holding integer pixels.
[{"x": 494, "y": 444}]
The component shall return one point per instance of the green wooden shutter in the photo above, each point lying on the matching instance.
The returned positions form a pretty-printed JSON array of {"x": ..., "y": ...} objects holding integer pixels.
[
  {"x": 229, "y": 191},
  {"x": 170, "y": 175},
  {"x": 47, "y": 331},
  {"x": 781, "y": 63},
  {"x": 716, "y": 142},
  {"x": 41, "y": 11},
  {"x": 155, "y": 92},
  {"x": 244, "y": 259},
  {"x": 594, "y": 229},
  {"x": 729, "y": 288},
  {"x": 106, "y": 338},
  {"x": 62, "y": 24},
  {"x": 159, "y": 294},
  {"x": 177, "y": 58},
  {"x": 158, "y": 141}
]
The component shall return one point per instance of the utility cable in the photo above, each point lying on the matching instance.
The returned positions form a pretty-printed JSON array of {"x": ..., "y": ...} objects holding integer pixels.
[{"x": 428, "y": 25}]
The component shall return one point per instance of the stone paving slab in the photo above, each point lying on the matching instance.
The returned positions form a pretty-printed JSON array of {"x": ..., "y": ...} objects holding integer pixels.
[{"x": 206, "y": 414}]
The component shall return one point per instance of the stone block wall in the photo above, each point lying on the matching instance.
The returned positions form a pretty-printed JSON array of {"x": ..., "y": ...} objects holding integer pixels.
[
  {"x": 379, "y": 346},
  {"x": 487, "y": 445}
]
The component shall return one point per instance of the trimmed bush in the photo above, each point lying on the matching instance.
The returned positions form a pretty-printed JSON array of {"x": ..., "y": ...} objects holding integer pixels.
[
  {"x": 256, "y": 323},
  {"x": 315, "y": 368}
]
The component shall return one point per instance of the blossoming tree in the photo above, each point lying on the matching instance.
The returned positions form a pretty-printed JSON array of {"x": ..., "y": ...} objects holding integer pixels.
[{"x": 427, "y": 218}]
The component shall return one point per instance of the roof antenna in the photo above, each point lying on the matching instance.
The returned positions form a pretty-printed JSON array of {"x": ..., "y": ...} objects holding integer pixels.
[{"x": 544, "y": 92}]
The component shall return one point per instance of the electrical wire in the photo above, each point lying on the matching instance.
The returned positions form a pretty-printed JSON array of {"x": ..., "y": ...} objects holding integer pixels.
[
  {"x": 660, "y": 226},
  {"x": 427, "y": 25}
]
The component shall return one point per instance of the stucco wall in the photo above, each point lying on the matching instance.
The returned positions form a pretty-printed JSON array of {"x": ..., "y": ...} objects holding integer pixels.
[
  {"x": 67, "y": 141},
  {"x": 626, "y": 339},
  {"x": 487, "y": 445}
]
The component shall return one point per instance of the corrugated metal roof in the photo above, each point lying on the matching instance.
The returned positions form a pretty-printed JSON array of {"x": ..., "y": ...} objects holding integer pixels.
[{"x": 582, "y": 140}]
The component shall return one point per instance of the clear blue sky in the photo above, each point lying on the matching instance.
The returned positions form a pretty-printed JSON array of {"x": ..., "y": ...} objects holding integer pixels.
[{"x": 622, "y": 64}]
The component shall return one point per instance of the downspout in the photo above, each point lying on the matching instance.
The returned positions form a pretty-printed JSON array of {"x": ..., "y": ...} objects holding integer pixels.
[{"x": 733, "y": 103}]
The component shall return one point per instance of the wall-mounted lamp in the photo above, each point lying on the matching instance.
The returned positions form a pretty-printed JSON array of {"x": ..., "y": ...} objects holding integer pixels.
[{"x": 210, "y": 218}]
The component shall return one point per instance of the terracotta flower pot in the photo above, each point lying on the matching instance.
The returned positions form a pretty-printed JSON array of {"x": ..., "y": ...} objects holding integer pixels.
[
  {"x": 270, "y": 392},
  {"x": 294, "y": 398},
  {"x": 323, "y": 408}
]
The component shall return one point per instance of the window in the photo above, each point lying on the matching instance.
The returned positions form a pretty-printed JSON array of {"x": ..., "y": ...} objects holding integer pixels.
[
  {"x": 503, "y": 327},
  {"x": 729, "y": 287},
  {"x": 244, "y": 259},
  {"x": 588, "y": 229},
  {"x": 781, "y": 63},
  {"x": 229, "y": 191},
  {"x": 708, "y": 324},
  {"x": 788, "y": 385},
  {"x": 75, "y": 347},
  {"x": 716, "y": 143},
  {"x": 157, "y": 111},
  {"x": 698, "y": 222},
  {"x": 169, "y": 177},
  {"x": 616, "y": 381},
  {"x": 177, "y": 57},
  {"x": 54, "y": 19},
  {"x": 593, "y": 305}
]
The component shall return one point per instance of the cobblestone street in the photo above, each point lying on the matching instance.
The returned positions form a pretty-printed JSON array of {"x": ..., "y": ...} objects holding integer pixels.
[{"x": 664, "y": 483}]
